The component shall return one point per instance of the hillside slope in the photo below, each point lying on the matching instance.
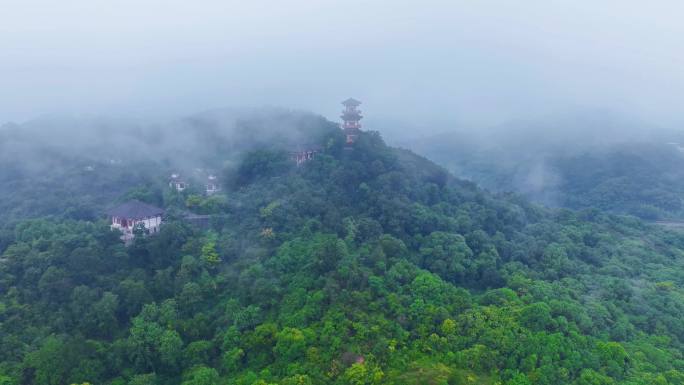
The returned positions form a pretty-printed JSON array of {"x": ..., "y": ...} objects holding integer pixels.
[{"x": 363, "y": 266}]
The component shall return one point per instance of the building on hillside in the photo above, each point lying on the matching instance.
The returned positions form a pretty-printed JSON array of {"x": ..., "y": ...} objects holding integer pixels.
[
  {"x": 177, "y": 183},
  {"x": 199, "y": 220},
  {"x": 133, "y": 215},
  {"x": 212, "y": 185},
  {"x": 350, "y": 120},
  {"x": 304, "y": 155}
]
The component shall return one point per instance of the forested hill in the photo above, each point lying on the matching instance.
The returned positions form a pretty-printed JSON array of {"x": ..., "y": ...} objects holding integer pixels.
[
  {"x": 71, "y": 168},
  {"x": 363, "y": 266},
  {"x": 584, "y": 163}
]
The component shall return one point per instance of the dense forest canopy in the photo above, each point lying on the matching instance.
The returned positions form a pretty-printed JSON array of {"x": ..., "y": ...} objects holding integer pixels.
[{"x": 368, "y": 265}]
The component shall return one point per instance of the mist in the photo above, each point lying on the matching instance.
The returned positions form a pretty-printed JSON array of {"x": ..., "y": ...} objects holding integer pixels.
[
  {"x": 183, "y": 200},
  {"x": 502, "y": 94},
  {"x": 418, "y": 67}
]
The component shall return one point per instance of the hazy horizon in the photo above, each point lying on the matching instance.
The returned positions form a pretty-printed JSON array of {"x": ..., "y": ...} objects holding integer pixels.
[{"x": 437, "y": 63}]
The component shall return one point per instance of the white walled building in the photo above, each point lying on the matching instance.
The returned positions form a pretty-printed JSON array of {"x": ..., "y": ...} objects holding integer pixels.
[
  {"x": 212, "y": 185},
  {"x": 177, "y": 183},
  {"x": 132, "y": 214}
]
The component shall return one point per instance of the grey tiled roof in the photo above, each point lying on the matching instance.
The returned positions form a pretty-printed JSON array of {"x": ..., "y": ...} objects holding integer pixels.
[{"x": 135, "y": 210}]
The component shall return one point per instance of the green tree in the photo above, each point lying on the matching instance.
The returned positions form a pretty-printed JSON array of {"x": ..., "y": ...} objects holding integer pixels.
[
  {"x": 362, "y": 374},
  {"x": 201, "y": 375},
  {"x": 209, "y": 254},
  {"x": 446, "y": 255},
  {"x": 144, "y": 379},
  {"x": 50, "y": 362},
  {"x": 170, "y": 348},
  {"x": 290, "y": 344}
]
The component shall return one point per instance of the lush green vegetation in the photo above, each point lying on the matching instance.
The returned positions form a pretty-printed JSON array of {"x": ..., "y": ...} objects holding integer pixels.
[
  {"x": 642, "y": 180},
  {"x": 364, "y": 266}
]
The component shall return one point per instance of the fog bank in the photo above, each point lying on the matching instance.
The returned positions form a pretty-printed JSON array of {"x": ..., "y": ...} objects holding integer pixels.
[{"x": 423, "y": 64}]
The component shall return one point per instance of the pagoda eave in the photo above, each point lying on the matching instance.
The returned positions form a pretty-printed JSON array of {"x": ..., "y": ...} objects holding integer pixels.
[
  {"x": 351, "y": 102},
  {"x": 351, "y": 117}
]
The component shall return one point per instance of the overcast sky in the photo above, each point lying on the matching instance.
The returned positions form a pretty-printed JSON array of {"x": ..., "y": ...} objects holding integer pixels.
[{"x": 474, "y": 62}]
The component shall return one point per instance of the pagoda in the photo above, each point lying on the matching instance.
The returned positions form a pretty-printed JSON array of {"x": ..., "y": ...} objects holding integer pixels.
[{"x": 350, "y": 120}]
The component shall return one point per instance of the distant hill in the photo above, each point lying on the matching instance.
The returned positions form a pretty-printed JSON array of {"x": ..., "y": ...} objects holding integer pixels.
[{"x": 596, "y": 161}]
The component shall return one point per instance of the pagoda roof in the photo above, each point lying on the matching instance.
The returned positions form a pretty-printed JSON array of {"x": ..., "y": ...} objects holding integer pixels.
[
  {"x": 351, "y": 102},
  {"x": 135, "y": 209}
]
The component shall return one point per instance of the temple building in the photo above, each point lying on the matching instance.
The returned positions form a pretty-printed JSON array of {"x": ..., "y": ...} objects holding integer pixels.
[
  {"x": 133, "y": 215},
  {"x": 212, "y": 185},
  {"x": 177, "y": 183},
  {"x": 302, "y": 156},
  {"x": 350, "y": 120}
]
